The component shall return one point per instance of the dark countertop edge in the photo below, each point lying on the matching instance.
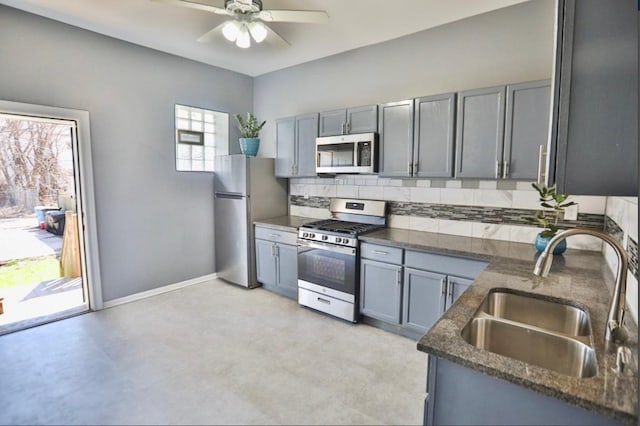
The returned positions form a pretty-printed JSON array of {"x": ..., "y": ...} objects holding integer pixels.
[
  {"x": 440, "y": 250},
  {"x": 286, "y": 223},
  {"x": 551, "y": 392}
]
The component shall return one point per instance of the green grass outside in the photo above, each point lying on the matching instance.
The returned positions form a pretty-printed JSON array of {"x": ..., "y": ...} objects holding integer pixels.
[{"x": 26, "y": 271}]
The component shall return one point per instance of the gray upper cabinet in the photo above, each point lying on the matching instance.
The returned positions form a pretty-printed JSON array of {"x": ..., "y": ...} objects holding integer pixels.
[
  {"x": 434, "y": 136},
  {"x": 479, "y": 133},
  {"x": 362, "y": 119},
  {"x": 332, "y": 122},
  {"x": 396, "y": 138},
  {"x": 306, "y": 134},
  {"x": 348, "y": 121},
  {"x": 296, "y": 146},
  {"x": 285, "y": 146},
  {"x": 595, "y": 118},
  {"x": 526, "y": 128}
]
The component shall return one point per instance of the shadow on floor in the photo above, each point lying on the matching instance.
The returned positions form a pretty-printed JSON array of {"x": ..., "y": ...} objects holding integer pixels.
[{"x": 55, "y": 286}]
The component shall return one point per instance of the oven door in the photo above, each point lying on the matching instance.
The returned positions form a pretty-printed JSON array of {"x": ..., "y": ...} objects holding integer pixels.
[{"x": 327, "y": 265}]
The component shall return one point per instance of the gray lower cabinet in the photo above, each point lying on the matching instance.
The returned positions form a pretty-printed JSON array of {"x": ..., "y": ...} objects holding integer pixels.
[
  {"x": 265, "y": 262},
  {"x": 362, "y": 119},
  {"x": 479, "y": 133},
  {"x": 296, "y": 146},
  {"x": 277, "y": 261},
  {"x": 595, "y": 119},
  {"x": 422, "y": 299},
  {"x": 395, "y": 129},
  {"x": 458, "y": 395},
  {"x": 410, "y": 289},
  {"x": 381, "y": 290}
]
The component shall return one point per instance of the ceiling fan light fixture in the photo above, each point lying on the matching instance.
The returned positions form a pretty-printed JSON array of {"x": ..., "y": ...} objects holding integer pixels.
[
  {"x": 258, "y": 31},
  {"x": 243, "y": 39},
  {"x": 231, "y": 30}
]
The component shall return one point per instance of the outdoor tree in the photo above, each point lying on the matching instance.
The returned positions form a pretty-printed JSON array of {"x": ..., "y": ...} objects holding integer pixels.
[{"x": 35, "y": 158}]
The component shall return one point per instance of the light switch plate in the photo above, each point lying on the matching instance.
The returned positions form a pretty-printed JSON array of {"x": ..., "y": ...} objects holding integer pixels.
[{"x": 571, "y": 213}]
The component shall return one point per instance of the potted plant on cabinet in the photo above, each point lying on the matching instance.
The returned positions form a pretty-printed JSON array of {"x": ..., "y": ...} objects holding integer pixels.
[
  {"x": 249, "y": 132},
  {"x": 548, "y": 219}
]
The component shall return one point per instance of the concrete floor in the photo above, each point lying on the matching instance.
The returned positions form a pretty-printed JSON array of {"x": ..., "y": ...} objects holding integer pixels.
[{"x": 211, "y": 353}]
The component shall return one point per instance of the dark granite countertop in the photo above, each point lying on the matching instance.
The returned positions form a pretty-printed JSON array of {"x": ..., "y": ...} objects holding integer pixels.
[
  {"x": 580, "y": 277},
  {"x": 285, "y": 223}
]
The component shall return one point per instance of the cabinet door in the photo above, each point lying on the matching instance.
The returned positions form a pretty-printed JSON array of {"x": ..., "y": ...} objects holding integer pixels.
[
  {"x": 597, "y": 97},
  {"x": 265, "y": 262},
  {"x": 456, "y": 286},
  {"x": 433, "y": 136},
  {"x": 332, "y": 122},
  {"x": 288, "y": 269},
  {"x": 422, "y": 299},
  {"x": 285, "y": 146},
  {"x": 526, "y": 128},
  {"x": 362, "y": 119},
  {"x": 306, "y": 134},
  {"x": 396, "y": 138},
  {"x": 479, "y": 133},
  {"x": 380, "y": 290}
]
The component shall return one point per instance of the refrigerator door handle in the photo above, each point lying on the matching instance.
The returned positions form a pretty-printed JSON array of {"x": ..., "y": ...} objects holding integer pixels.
[{"x": 229, "y": 195}]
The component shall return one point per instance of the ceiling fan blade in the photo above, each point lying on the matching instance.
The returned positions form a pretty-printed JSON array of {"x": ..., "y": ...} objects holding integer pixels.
[
  {"x": 302, "y": 16},
  {"x": 212, "y": 35},
  {"x": 274, "y": 39},
  {"x": 196, "y": 5}
]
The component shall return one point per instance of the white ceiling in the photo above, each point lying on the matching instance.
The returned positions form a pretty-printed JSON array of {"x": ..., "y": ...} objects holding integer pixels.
[{"x": 352, "y": 24}]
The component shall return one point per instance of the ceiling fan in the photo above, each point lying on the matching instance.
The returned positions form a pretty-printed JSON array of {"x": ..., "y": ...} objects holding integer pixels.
[{"x": 248, "y": 21}]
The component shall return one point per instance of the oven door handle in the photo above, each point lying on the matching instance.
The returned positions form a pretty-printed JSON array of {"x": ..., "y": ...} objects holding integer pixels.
[{"x": 328, "y": 247}]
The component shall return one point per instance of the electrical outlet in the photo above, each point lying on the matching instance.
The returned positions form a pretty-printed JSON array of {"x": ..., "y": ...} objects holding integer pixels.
[
  {"x": 571, "y": 213},
  {"x": 306, "y": 194}
]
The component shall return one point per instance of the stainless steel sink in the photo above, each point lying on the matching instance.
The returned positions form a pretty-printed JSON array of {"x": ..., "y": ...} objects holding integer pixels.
[
  {"x": 547, "y": 350},
  {"x": 537, "y": 312},
  {"x": 547, "y": 334}
]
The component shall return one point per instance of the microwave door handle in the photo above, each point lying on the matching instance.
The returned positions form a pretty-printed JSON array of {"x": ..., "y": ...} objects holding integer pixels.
[{"x": 356, "y": 155}]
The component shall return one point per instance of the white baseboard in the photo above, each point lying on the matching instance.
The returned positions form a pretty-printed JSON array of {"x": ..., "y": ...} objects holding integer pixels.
[{"x": 159, "y": 290}]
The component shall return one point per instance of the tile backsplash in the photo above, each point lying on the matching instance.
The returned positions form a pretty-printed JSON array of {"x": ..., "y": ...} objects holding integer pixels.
[
  {"x": 487, "y": 209},
  {"x": 621, "y": 222}
]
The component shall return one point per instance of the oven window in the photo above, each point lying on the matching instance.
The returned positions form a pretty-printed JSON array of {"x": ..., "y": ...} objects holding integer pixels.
[{"x": 327, "y": 268}]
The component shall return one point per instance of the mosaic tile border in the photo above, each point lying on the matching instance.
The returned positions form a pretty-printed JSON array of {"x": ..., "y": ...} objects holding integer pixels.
[
  {"x": 612, "y": 228},
  {"x": 632, "y": 252},
  {"x": 494, "y": 215}
]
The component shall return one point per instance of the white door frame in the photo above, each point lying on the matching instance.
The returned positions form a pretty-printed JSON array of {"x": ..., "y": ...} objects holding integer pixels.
[{"x": 87, "y": 209}]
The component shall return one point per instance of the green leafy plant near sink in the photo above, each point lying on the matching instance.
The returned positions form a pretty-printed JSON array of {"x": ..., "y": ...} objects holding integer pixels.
[
  {"x": 554, "y": 205},
  {"x": 550, "y": 199}
]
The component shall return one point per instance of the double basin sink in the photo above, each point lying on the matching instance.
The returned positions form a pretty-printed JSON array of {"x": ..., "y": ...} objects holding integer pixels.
[{"x": 548, "y": 334}]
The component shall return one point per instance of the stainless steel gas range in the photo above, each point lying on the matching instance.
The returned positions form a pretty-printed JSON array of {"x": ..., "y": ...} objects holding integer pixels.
[{"x": 329, "y": 258}]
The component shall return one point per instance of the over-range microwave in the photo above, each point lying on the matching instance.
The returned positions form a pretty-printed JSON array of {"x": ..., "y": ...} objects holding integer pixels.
[{"x": 357, "y": 153}]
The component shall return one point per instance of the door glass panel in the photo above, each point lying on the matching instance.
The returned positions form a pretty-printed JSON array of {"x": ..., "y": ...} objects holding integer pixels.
[{"x": 328, "y": 269}]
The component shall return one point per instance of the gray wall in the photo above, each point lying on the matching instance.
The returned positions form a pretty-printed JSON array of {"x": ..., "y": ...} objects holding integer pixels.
[
  {"x": 155, "y": 225},
  {"x": 513, "y": 44}
]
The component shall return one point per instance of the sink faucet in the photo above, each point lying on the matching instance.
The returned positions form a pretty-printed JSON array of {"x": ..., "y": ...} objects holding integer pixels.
[{"x": 614, "y": 330}]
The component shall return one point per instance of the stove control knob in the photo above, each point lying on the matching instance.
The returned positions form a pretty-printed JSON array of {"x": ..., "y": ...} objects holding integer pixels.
[
  {"x": 325, "y": 238},
  {"x": 305, "y": 234},
  {"x": 345, "y": 241},
  {"x": 312, "y": 235},
  {"x": 338, "y": 239}
]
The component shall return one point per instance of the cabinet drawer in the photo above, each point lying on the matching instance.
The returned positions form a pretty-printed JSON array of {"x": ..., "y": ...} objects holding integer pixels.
[
  {"x": 458, "y": 266},
  {"x": 381, "y": 253},
  {"x": 276, "y": 235}
]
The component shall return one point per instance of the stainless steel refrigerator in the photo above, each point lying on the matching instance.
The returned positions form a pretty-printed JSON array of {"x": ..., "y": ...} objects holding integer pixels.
[{"x": 246, "y": 189}]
